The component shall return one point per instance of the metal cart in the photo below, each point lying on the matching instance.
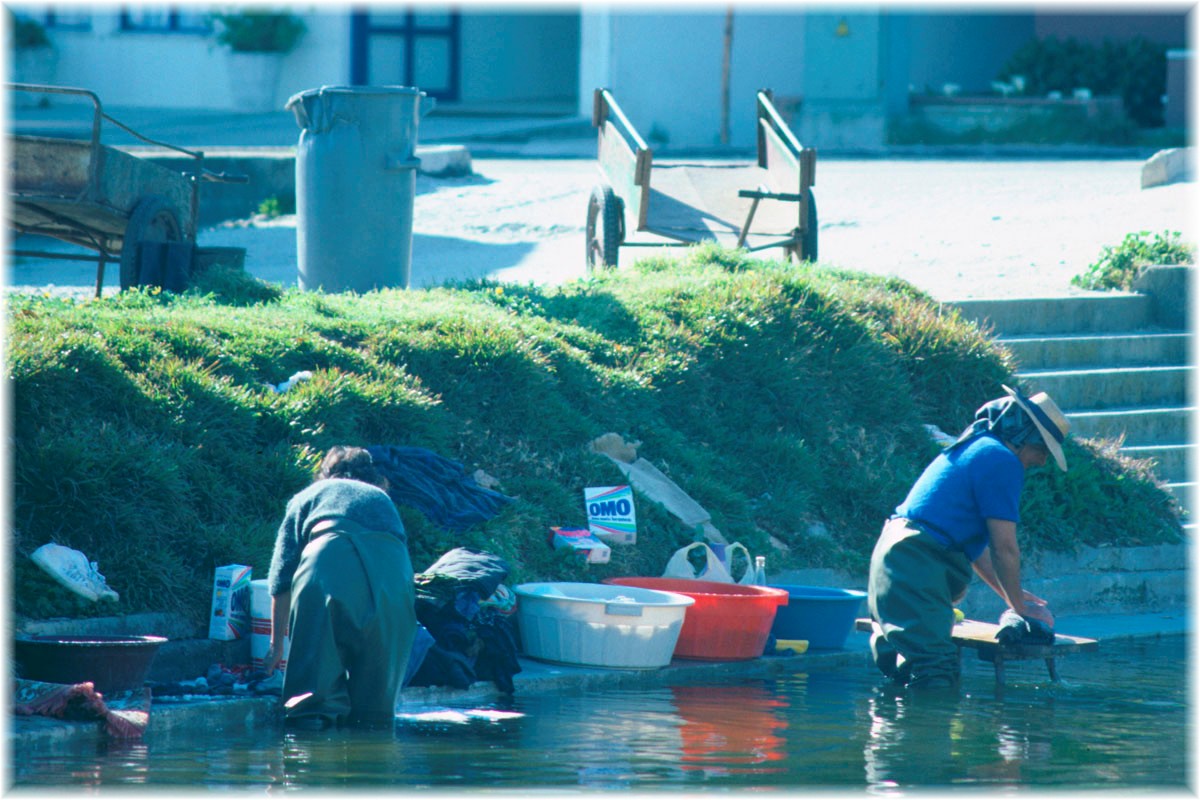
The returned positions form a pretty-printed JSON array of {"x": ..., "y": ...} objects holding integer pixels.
[
  {"x": 126, "y": 209},
  {"x": 693, "y": 202}
]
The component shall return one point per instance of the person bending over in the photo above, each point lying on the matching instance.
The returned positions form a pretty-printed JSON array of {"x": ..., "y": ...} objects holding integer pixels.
[
  {"x": 341, "y": 583},
  {"x": 961, "y": 514}
]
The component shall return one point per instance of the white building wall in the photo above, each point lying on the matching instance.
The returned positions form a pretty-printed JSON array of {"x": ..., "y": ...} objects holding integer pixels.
[
  {"x": 187, "y": 70},
  {"x": 665, "y": 69},
  {"x": 595, "y": 55},
  {"x": 510, "y": 57}
]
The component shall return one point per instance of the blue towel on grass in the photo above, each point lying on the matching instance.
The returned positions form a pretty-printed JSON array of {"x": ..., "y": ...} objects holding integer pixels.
[{"x": 437, "y": 487}]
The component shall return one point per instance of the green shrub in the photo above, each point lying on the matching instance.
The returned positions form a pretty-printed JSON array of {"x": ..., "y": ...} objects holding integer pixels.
[
  {"x": 26, "y": 33},
  {"x": 788, "y": 400},
  {"x": 1134, "y": 70},
  {"x": 260, "y": 31},
  {"x": 1118, "y": 266},
  {"x": 276, "y": 206}
]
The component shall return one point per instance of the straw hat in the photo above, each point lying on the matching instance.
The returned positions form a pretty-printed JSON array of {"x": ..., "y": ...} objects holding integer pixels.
[{"x": 1051, "y": 423}]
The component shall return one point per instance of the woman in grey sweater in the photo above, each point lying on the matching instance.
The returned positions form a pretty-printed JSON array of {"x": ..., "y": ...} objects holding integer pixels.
[{"x": 341, "y": 583}]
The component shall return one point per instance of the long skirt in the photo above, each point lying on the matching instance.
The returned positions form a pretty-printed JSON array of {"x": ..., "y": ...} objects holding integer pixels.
[
  {"x": 353, "y": 621},
  {"x": 913, "y": 584}
]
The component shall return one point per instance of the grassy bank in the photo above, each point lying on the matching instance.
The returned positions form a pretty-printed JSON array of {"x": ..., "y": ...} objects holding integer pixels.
[{"x": 788, "y": 401}]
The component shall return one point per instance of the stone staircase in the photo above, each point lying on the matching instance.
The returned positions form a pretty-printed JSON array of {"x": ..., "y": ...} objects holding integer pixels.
[{"x": 1116, "y": 363}]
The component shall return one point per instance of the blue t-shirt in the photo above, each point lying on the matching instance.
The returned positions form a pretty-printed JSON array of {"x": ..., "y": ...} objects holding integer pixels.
[{"x": 962, "y": 488}]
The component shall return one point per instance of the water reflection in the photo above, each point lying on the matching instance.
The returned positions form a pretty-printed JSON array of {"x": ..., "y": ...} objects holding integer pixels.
[
  {"x": 1118, "y": 720},
  {"x": 731, "y": 730},
  {"x": 911, "y": 741}
]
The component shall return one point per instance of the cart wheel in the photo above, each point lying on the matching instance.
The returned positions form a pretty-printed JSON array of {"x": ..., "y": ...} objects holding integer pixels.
[
  {"x": 152, "y": 220},
  {"x": 807, "y": 251},
  {"x": 604, "y": 228}
]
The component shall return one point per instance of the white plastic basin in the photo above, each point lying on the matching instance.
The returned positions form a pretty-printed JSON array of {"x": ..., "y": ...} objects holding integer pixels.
[{"x": 592, "y": 624}]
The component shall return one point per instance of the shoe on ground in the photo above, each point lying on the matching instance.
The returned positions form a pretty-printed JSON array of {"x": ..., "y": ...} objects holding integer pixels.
[{"x": 71, "y": 569}]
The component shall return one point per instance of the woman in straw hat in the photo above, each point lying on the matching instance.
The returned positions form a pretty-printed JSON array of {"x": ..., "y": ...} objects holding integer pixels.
[{"x": 960, "y": 515}]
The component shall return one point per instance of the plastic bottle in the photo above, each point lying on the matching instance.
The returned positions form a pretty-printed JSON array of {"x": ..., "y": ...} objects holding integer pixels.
[{"x": 760, "y": 570}]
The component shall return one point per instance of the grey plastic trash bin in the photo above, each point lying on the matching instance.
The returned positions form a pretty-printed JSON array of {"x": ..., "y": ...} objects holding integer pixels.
[{"x": 355, "y": 180}]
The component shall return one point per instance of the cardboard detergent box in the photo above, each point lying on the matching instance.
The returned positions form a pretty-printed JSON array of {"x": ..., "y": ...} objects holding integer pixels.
[
  {"x": 610, "y": 513},
  {"x": 583, "y": 542},
  {"x": 230, "y": 618}
]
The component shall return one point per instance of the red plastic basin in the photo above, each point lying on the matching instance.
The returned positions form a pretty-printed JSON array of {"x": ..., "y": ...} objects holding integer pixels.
[{"x": 728, "y": 621}]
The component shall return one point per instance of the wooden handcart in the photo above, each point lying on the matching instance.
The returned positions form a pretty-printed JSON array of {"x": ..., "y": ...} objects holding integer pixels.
[
  {"x": 126, "y": 209},
  {"x": 765, "y": 204}
]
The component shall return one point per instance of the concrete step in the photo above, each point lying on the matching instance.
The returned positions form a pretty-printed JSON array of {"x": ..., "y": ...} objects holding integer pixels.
[
  {"x": 1112, "y": 388},
  {"x": 1171, "y": 460},
  {"x": 1102, "y": 312},
  {"x": 1138, "y": 348},
  {"x": 1141, "y": 426}
]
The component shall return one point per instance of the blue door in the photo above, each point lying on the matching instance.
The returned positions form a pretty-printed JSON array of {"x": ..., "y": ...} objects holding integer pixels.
[{"x": 415, "y": 47}]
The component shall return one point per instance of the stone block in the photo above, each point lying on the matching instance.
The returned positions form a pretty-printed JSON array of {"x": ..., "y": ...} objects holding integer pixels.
[
  {"x": 1169, "y": 287},
  {"x": 444, "y": 160},
  {"x": 1169, "y": 166}
]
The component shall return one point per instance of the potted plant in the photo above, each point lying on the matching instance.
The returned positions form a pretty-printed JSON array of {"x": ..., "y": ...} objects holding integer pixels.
[
  {"x": 257, "y": 40},
  {"x": 33, "y": 54}
]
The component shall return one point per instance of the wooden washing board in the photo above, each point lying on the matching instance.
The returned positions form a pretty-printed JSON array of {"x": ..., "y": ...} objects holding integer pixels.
[{"x": 981, "y": 637}]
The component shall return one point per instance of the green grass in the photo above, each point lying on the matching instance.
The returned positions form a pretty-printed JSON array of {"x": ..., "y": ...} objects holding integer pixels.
[{"x": 787, "y": 400}]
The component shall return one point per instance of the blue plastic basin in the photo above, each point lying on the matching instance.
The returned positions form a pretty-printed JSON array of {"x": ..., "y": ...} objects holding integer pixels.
[{"x": 822, "y": 616}]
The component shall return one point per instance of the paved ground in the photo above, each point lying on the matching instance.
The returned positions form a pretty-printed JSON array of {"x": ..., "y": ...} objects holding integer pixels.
[
  {"x": 957, "y": 229},
  {"x": 969, "y": 227}
]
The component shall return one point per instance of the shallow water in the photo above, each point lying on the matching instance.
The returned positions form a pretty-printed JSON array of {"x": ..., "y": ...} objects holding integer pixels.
[{"x": 1119, "y": 718}]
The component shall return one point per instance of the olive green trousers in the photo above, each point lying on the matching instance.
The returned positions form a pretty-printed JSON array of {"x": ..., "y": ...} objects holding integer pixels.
[
  {"x": 913, "y": 584},
  {"x": 353, "y": 621}
]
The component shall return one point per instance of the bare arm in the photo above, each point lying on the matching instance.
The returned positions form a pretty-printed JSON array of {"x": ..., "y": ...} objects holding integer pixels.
[
  {"x": 1000, "y": 568},
  {"x": 281, "y": 606}
]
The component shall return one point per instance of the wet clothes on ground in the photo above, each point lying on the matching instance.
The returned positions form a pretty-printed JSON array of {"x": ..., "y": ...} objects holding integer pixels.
[
  {"x": 1016, "y": 630},
  {"x": 472, "y": 641},
  {"x": 436, "y": 486},
  {"x": 353, "y": 617}
]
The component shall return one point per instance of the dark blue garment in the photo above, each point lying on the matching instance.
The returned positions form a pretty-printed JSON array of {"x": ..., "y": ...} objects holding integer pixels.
[
  {"x": 437, "y": 487},
  {"x": 1018, "y": 630},
  {"x": 470, "y": 643}
]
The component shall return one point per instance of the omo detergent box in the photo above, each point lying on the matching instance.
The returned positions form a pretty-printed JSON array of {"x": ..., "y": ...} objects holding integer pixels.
[
  {"x": 610, "y": 513},
  {"x": 230, "y": 617}
]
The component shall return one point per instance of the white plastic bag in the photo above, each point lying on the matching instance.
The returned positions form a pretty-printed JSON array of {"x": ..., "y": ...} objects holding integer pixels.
[
  {"x": 679, "y": 566},
  {"x": 747, "y": 578}
]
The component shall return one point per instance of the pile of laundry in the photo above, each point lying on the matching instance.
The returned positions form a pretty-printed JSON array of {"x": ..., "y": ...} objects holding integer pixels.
[
  {"x": 125, "y": 715},
  {"x": 464, "y": 606},
  {"x": 222, "y": 681}
]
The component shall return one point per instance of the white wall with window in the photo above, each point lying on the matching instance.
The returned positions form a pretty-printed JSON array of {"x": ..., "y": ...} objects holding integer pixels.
[{"x": 168, "y": 56}]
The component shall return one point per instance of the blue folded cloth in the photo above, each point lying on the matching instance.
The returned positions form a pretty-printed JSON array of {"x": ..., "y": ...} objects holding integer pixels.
[
  {"x": 1016, "y": 630},
  {"x": 436, "y": 486}
]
